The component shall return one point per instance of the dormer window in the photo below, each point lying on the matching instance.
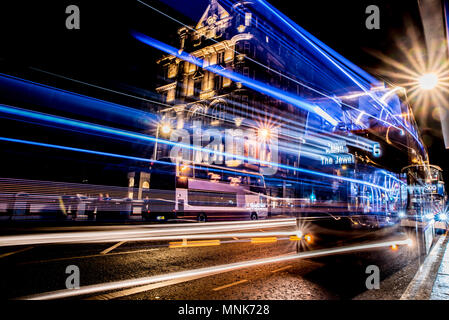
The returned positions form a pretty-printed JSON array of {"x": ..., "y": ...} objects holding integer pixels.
[{"x": 198, "y": 74}]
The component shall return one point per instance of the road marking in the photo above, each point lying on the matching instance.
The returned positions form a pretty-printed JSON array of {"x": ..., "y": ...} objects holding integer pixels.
[
  {"x": 136, "y": 290},
  {"x": 264, "y": 240},
  {"x": 294, "y": 238},
  {"x": 281, "y": 269},
  {"x": 112, "y": 247},
  {"x": 197, "y": 243},
  {"x": 88, "y": 256},
  {"x": 230, "y": 285},
  {"x": 14, "y": 252}
]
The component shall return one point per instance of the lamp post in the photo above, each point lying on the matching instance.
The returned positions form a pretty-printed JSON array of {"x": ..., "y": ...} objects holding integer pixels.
[{"x": 166, "y": 128}]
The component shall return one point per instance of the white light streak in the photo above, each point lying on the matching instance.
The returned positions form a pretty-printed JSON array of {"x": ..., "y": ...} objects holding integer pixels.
[{"x": 208, "y": 271}]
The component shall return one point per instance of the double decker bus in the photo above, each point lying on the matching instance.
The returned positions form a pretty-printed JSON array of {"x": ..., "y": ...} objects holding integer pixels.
[
  {"x": 359, "y": 185},
  {"x": 203, "y": 192},
  {"x": 426, "y": 194}
]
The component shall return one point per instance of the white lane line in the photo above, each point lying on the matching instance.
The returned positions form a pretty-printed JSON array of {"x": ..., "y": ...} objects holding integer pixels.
[
  {"x": 112, "y": 247},
  {"x": 136, "y": 290},
  {"x": 229, "y": 285},
  {"x": 208, "y": 271},
  {"x": 14, "y": 252}
]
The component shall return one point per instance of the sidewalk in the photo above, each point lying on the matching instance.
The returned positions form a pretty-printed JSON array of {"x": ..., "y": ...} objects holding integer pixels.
[{"x": 440, "y": 290}]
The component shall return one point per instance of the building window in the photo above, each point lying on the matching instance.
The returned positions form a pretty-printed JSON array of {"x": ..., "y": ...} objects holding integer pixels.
[
  {"x": 172, "y": 71},
  {"x": 196, "y": 112},
  {"x": 189, "y": 84},
  {"x": 220, "y": 57},
  {"x": 247, "y": 48},
  {"x": 245, "y": 108},
  {"x": 239, "y": 47},
  {"x": 248, "y": 19},
  {"x": 165, "y": 72},
  {"x": 218, "y": 112},
  {"x": 246, "y": 72},
  {"x": 170, "y": 95},
  {"x": 218, "y": 82},
  {"x": 197, "y": 87}
]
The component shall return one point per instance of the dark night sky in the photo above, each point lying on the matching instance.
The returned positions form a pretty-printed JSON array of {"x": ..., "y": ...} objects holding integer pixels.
[{"x": 33, "y": 34}]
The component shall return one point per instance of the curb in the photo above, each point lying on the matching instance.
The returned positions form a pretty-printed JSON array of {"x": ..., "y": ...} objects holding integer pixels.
[{"x": 420, "y": 288}]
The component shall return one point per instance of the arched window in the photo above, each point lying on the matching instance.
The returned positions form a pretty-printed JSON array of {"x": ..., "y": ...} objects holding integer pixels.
[
  {"x": 218, "y": 111},
  {"x": 196, "y": 112}
]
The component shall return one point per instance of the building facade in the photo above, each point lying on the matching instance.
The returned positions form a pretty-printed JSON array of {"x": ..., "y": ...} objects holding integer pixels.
[{"x": 238, "y": 40}]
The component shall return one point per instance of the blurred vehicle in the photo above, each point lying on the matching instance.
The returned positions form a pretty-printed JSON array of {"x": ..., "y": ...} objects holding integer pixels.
[{"x": 204, "y": 192}]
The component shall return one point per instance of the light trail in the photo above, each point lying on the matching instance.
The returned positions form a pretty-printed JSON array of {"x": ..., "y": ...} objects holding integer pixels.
[
  {"x": 315, "y": 43},
  {"x": 174, "y": 233},
  {"x": 127, "y": 134},
  {"x": 42, "y": 117},
  {"x": 209, "y": 271},
  {"x": 35, "y": 93},
  {"x": 100, "y": 87},
  {"x": 366, "y": 75},
  {"x": 253, "y": 84}
]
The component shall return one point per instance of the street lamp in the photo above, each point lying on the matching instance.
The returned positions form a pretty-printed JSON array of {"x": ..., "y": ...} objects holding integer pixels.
[
  {"x": 428, "y": 81},
  {"x": 264, "y": 133},
  {"x": 166, "y": 128}
]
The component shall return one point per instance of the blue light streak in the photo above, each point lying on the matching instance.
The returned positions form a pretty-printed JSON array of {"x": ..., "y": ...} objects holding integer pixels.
[
  {"x": 136, "y": 136},
  {"x": 36, "y": 93},
  {"x": 250, "y": 83},
  {"x": 319, "y": 46},
  {"x": 307, "y": 171}
]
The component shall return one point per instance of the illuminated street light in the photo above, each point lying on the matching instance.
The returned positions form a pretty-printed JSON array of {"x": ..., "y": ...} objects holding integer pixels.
[
  {"x": 264, "y": 133},
  {"x": 428, "y": 81},
  {"x": 165, "y": 127}
]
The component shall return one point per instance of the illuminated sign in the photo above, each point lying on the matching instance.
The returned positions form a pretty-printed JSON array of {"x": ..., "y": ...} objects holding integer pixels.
[
  {"x": 430, "y": 188},
  {"x": 337, "y": 159}
]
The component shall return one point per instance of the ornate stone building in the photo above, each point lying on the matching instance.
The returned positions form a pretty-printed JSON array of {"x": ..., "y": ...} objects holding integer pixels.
[{"x": 237, "y": 40}]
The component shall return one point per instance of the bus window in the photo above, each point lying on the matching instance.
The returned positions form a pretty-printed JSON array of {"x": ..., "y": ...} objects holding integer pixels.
[
  {"x": 201, "y": 173},
  {"x": 213, "y": 199},
  {"x": 162, "y": 177}
]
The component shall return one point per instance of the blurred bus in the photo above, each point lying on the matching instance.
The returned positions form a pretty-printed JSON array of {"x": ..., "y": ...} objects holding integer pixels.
[
  {"x": 426, "y": 193},
  {"x": 203, "y": 192}
]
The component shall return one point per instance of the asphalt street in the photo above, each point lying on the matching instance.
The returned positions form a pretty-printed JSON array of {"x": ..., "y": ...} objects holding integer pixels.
[{"x": 34, "y": 269}]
